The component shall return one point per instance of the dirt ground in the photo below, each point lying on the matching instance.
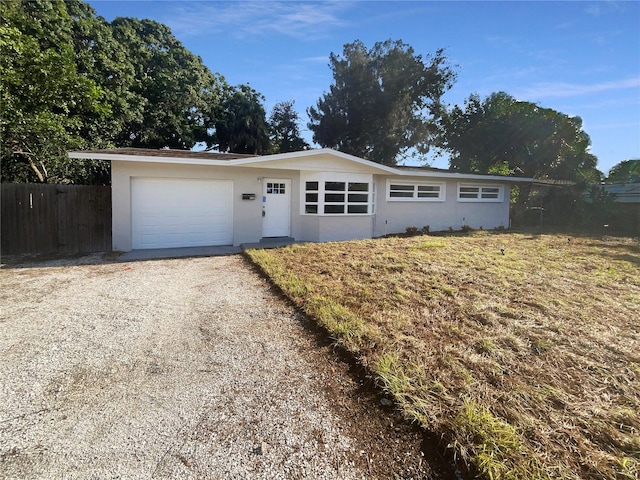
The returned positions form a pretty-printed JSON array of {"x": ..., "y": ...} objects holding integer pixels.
[{"x": 183, "y": 368}]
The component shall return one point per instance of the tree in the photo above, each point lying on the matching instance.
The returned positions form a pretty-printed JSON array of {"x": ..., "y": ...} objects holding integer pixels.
[
  {"x": 69, "y": 80},
  {"x": 283, "y": 129},
  {"x": 47, "y": 108},
  {"x": 383, "y": 101},
  {"x": 530, "y": 140},
  {"x": 173, "y": 90},
  {"x": 241, "y": 125},
  {"x": 101, "y": 58},
  {"x": 627, "y": 171},
  {"x": 502, "y": 135}
]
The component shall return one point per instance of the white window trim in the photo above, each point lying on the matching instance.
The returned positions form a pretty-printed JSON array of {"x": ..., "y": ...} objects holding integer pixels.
[
  {"x": 415, "y": 184},
  {"x": 346, "y": 178},
  {"x": 480, "y": 187}
]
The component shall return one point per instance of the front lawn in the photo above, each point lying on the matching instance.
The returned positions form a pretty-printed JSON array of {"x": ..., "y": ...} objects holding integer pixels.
[{"x": 521, "y": 351}]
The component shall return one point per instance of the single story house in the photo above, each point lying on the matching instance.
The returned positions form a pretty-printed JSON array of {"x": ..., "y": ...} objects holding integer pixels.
[{"x": 172, "y": 198}]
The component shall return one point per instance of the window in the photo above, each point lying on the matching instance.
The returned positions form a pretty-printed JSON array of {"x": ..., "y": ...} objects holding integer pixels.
[
  {"x": 480, "y": 193},
  {"x": 276, "y": 188},
  {"x": 337, "y": 198},
  {"x": 414, "y": 192},
  {"x": 311, "y": 197},
  {"x": 334, "y": 197}
]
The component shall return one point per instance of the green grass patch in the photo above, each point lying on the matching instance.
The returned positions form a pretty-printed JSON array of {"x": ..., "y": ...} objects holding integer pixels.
[{"x": 525, "y": 362}]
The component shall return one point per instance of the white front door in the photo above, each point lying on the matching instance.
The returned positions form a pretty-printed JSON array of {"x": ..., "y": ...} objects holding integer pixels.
[{"x": 276, "y": 207}]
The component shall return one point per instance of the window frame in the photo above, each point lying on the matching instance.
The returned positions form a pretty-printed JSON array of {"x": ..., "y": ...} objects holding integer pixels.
[
  {"x": 416, "y": 191},
  {"x": 276, "y": 188},
  {"x": 328, "y": 198},
  {"x": 481, "y": 187}
]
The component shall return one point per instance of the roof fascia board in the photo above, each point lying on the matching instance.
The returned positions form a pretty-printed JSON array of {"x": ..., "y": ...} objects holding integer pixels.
[
  {"x": 463, "y": 176},
  {"x": 147, "y": 158},
  {"x": 251, "y": 161}
]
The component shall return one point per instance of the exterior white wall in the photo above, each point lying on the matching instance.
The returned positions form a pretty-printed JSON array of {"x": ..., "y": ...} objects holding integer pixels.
[
  {"x": 247, "y": 214},
  {"x": 329, "y": 228},
  {"x": 388, "y": 217},
  {"x": 396, "y": 216},
  {"x": 332, "y": 228},
  {"x": 323, "y": 163}
]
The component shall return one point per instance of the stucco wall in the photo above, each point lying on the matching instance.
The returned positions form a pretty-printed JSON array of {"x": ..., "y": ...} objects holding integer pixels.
[
  {"x": 247, "y": 214},
  {"x": 327, "y": 228},
  {"x": 389, "y": 217},
  {"x": 395, "y": 216}
]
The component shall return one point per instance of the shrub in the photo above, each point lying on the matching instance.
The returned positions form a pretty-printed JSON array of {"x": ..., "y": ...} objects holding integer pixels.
[
  {"x": 412, "y": 230},
  {"x": 466, "y": 228}
]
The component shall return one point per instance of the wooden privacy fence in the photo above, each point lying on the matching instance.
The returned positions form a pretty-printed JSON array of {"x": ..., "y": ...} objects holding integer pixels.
[{"x": 45, "y": 218}]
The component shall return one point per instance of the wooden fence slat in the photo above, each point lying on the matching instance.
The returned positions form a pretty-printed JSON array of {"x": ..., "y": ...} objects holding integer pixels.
[{"x": 44, "y": 218}]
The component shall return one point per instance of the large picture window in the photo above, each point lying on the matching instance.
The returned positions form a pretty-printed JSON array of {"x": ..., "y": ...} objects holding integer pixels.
[
  {"x": 480, "y": 193},
  {"x": 414, "y": 191},
  {"x": 329, "y": 197}
]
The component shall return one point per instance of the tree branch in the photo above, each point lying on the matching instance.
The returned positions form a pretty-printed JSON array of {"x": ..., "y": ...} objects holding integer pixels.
[{"x": 29, "y": 156}]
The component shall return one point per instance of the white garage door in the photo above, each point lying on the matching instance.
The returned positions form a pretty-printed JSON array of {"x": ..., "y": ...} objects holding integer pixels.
[{"x": 181, "y": 212}]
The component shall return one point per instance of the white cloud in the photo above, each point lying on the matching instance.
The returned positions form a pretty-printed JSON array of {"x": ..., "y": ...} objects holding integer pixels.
[
  {"x": 245, "y": 19},
  {"x": 599, "y": 8},
  {"x": 560, "y": 89},
  {"x": 594, "y": 10},
  {"x": 321, "y": 59}
]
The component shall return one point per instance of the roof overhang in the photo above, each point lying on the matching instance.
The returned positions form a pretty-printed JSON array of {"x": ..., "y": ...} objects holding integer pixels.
[
  {"x": 184, "y": 157},
  {"x": 462, "y": 176},
  {"x": 152, "y": 156},
  {"x": 204, "y": 158}
]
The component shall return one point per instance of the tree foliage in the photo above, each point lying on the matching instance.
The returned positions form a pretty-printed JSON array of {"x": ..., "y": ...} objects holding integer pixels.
[
  {"x": 47, "y": 107},
  {"x": 70, "y": 80},
  {"x": 284, "y": 132},
  {"x": 627, "y": 171},
  {"x": 531, "y": 141},
  {"x": 383, "y": 101},
  {"x": 104, "y": 60},
  {"x": 241, "y": 125},
  {"x": 173, "y": 90},
  {"x": 501, "y": 135}
]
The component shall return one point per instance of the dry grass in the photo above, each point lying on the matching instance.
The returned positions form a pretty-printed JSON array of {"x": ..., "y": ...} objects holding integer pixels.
[{"x": 527, "y": 363}]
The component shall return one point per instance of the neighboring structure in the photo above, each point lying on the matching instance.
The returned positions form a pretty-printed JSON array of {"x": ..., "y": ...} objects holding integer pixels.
[
  {"x": 623, "y": 214},
  {"x": 172, "y": 198},
  {"x": 624, "y": 192}
]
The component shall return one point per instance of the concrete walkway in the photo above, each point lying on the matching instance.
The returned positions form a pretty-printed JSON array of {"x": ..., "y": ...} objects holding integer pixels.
[{"x": 160, "y": 253}]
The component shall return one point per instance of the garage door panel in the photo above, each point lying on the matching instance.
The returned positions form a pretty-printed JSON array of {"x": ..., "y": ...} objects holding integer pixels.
[{"x": 181, "y": 212}]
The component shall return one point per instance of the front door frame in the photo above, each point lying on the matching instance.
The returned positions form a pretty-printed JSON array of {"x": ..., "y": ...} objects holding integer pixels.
[{"x": 276, "y": 207}]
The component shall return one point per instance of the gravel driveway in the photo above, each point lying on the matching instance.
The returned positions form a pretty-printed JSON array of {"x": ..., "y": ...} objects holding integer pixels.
[{"x": 184, "y": 368}]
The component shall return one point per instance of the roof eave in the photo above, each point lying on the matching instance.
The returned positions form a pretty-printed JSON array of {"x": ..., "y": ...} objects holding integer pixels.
[
  {"x": 463, "y": 176},
  {"x": 145, "y": 158},
  {"x": 250, "y": 161}
]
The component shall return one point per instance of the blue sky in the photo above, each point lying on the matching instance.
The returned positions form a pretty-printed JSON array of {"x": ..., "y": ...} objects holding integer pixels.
[{"x": 580, "y": 58}]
